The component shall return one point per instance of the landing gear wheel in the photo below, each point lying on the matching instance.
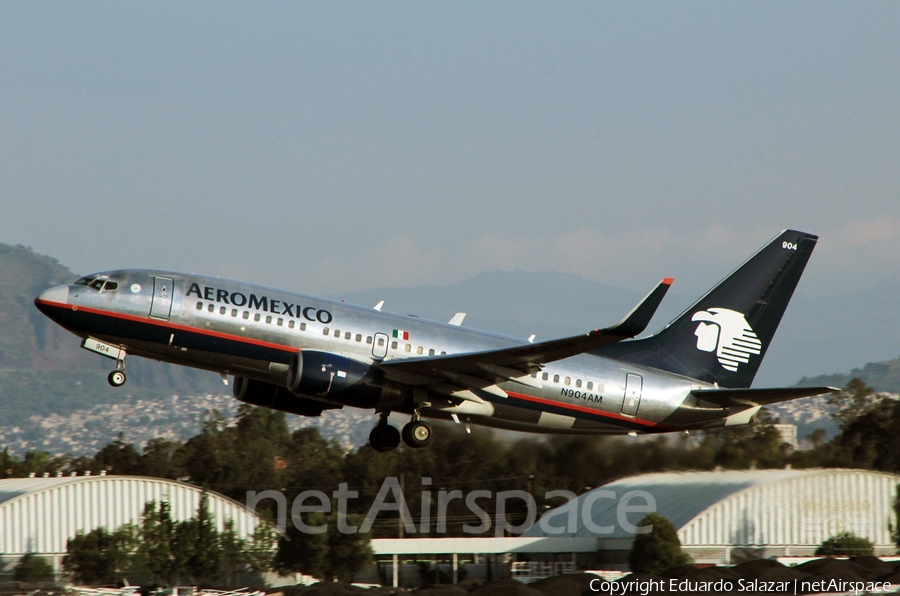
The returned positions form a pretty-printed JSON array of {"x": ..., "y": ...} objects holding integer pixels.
[
  {"x": 384, "y": 437},
  {"x": 417, "y": 434},
  {"x": 117, "y": 378}
]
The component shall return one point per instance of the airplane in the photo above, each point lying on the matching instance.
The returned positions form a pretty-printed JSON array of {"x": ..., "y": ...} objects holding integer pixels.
[{"x": 303, "y": 355}]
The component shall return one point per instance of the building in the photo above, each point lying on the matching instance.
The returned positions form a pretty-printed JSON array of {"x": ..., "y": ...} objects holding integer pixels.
[
  {"x": 39, "y": 515},
  {"x": 727, "y": 517}
]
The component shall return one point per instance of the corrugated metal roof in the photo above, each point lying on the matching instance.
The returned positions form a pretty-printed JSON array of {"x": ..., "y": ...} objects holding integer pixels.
[
  {"x": 40, "y": 514},
  {"x": 732, "y": 507}
]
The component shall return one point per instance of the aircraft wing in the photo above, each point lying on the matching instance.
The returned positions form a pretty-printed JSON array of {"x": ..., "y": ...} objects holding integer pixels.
[
  {"x": 519, "y": 361},
  {"x": 758, "y": 397}
]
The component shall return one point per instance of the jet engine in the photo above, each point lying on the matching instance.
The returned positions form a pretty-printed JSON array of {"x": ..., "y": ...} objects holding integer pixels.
[
  {"x": 337, "y": 379},
  {"x": 260, "y": 393}
]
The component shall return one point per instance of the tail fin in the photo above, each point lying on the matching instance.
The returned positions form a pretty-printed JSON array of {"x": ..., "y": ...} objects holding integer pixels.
[{"x": 723, "y": 337}]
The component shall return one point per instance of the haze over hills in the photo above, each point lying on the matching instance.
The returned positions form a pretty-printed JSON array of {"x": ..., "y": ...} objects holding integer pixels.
[{"x": 44, "y": 373}]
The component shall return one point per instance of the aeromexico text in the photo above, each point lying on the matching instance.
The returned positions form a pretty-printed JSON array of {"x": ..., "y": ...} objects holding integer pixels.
[{"x": 263, "y": 303}]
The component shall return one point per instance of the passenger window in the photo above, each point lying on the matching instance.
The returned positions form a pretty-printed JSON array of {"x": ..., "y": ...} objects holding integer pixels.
[
  {"x": 359, "y": 337},
  {"x": 380, "y": 341},
  {"x": 302, "y": 326},
  {"x": 269, "y": 319},
  {"x": 222, "y": 310},
  {"x": 556, "y": 378},
  {"x": 280, "y": 322},
  {"x": 211, "y": 307},
  {"x": 291, "y": 324},
  {"x": 246, "y": 314},
  {"x": 545, "y": 376},
  {"x": 419, "y": 350},
  {"x": 199, "y": 306},
  {"x": 431, "y": 352},
  {"x": 326, "y": 331},
  {"x": 257, "y": 317},
  {"x": 578, "y": 383},
  {"x": 407, "y": 347},
  {"x": 568, "y": 380},
  {"x": 590, "y": 385},
  {"x": 233, "y": 312},
  {"x": 348, "y": 335},
  {"x": 337, "y": 333},
  {"x": 393, "y": 345},
  {"x": 369, "y": 340},
  {"x": 443, "y": 353}
]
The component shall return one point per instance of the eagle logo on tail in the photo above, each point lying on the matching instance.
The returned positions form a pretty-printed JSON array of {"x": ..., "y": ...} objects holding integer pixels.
[{"x": 728, "y": 333}]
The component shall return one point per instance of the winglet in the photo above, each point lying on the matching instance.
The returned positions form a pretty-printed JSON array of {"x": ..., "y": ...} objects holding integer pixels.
[{"x": 637, "y": 320}]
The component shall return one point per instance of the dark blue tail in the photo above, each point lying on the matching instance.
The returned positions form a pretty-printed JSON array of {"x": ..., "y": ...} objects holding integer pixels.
[{"x": 723, "y": 337}]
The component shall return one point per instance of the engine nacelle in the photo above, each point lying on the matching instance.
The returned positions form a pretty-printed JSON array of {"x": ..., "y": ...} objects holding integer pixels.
[
  {"x": 337, "y": 379},
  {"x": 259, "y": 393}
]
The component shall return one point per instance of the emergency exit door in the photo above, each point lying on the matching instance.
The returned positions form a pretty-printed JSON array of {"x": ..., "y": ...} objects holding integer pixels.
[
  {"x": 161, "y": 306},
  {"x": 633, "y": 385}
]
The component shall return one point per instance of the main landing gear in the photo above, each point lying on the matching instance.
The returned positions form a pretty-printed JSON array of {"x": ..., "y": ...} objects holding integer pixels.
[
  {"x": 117, "y": 377},
  {"x": 384, "y": 437}
]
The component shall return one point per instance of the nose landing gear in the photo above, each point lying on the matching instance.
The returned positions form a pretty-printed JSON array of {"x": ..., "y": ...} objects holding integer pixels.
[{"x": 117, "y": 377}]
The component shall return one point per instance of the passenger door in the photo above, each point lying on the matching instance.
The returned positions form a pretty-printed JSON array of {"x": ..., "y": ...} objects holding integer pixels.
[
  {"x": 161, "y": 305},
  {"x": 633, "y": 385}
]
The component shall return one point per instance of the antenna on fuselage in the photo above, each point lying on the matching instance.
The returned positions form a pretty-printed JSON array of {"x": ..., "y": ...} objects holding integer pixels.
[{"x": 379, "y": 305}]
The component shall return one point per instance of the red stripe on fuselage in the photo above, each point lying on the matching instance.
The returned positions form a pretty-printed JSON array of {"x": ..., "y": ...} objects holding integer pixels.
[
  {"x": 169, "y": 325},
  {"x": 593, "y": 412}
]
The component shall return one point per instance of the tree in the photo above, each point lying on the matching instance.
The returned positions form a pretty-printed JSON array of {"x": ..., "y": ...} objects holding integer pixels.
[
  {"x": 157, "y": 534},
  {"x": 657, "y": 550},
  {"x": 32, "y": 569},
  {"x": 195, "y": 545},
  {"x": 260, "y": 551},
  {"x": 895, "y": 529},
  {"x": 100, "y": 556},
  {"x": 329, "y": 555},
  {"x": 231, "y": 549},
  {"x": 846, "y": 544},
  {"x": 300, "y": 552},
  {"x": 852, "y": 401},
  {"x": 347, "y": 553}
]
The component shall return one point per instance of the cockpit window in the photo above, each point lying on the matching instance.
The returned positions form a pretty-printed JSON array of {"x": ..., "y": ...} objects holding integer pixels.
[{"x": 101, "y": 284}]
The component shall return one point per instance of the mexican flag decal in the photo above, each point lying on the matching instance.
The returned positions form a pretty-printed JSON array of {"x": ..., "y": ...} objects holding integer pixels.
[{"x": 401, "y": 334}]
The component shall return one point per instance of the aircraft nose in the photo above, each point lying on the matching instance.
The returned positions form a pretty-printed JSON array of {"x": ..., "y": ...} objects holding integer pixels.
[{"x": 56, "y": 294}]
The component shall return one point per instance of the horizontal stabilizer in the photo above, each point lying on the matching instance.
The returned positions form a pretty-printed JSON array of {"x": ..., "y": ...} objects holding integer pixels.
[{"x": 758, "y": 397}]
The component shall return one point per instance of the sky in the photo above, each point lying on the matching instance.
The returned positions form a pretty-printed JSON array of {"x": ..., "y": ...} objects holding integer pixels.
[{"x": 336, "y": 147}]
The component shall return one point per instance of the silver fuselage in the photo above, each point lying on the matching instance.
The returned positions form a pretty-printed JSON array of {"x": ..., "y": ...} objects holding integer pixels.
[{"x": 250, "y": 331}]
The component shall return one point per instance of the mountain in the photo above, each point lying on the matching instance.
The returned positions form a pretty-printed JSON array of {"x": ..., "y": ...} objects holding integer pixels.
[{"x": 42, "y": 369}]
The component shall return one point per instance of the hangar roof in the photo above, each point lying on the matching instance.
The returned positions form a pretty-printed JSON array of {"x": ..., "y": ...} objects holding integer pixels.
[
  {"x": 736, "y": 506},
  {"x": 40, "y": 514}
]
